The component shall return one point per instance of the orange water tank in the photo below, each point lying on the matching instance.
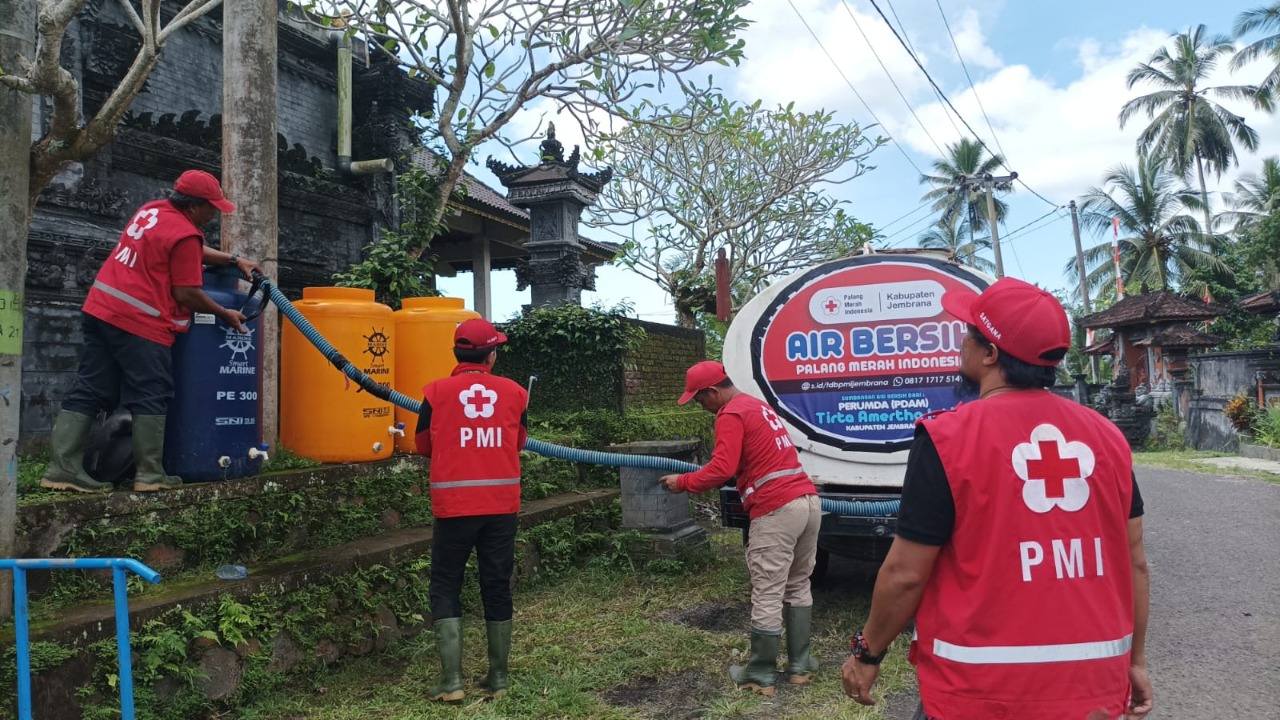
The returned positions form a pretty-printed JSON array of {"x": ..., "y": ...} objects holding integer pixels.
[
  {"x": 322, "y": 415},
  {"x": 424, "y": 350}
]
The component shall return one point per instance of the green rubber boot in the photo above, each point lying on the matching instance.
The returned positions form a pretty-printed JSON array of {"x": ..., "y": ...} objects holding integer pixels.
[
  {"x": 148, "y": 454},
  {"x": 66, "y": 461},
  {"x": 800, "y": 664},
  {"x": 449, "y": 644},
  {"x": 759, "y": 674},
  {"x": 499, "y": 636}
]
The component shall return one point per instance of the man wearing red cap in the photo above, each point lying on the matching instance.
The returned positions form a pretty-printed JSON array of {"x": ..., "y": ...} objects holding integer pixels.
[
  {"x": 753, "y": 446},
  {"x": 472, "y": 425},
  {"x": 142, "y": 297},
  {"x": 1019, "y": 543}
]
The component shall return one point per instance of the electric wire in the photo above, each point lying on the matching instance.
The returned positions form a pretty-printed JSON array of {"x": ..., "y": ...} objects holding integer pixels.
[
  {"x": 1009, "y": 236},
  {"x": 855, "y": 90},
  {"x": 934, "y": 83},
  {"x": 900, "y": 218},
  {"x": 889, "y": 75},
  {"x": 963, "y": 66},
  {"x": 907, "y": 36}
]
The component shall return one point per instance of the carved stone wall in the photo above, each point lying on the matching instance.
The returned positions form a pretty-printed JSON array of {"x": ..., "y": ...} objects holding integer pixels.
[{"x": 174, "y": 125}]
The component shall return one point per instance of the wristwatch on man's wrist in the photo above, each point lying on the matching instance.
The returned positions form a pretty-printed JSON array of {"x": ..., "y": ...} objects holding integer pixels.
[
  {"x": 235, "y": 258},
  {"x": 859, "y": 650}
]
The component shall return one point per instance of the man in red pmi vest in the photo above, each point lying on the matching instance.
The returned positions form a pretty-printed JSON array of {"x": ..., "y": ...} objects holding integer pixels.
[
  {"x": 142, "y": 297},
  {"x": 472, "y": 425},
  {"x": 753, "y": 445},
  {"x": 1019, "y": 544}
]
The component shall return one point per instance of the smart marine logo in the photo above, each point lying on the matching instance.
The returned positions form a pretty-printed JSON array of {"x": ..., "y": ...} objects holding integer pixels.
[
  {"x": 240, "y": 343},
  {"x": 379, "y": 345}
]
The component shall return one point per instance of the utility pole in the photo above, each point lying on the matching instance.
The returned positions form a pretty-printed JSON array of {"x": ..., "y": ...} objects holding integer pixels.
[
  {"x": 17, "y": 45},
  {"x": 988, "y": 184},
  {"x": 249, "y": 172},
  {"x": 1084, "y": 278}
]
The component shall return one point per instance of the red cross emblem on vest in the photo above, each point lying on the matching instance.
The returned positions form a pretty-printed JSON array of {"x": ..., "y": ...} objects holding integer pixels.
[
  {"x": 478, "y": 401},
  {"x": 1054, "y": 472}
]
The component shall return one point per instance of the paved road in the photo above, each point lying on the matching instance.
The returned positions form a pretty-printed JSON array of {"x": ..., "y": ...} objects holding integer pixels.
[{"x": 1213, "y": 545}]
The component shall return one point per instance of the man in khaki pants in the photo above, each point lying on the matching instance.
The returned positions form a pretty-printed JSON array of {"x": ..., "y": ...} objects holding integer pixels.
[{"x": 753, "y": 446}]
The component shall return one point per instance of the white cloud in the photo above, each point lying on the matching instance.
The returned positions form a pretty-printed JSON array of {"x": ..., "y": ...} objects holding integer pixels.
[
  {"x": 1062, "y": 139},
  {"x": 973, "y": 44}
]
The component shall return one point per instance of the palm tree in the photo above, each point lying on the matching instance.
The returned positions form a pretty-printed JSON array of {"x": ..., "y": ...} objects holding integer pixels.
[
  {"x": 946, "y": 235},
  {"x": 1187, "y": 127},
  {"x": 1160, "y": 241},
  {"x": 1266, "y": 19},
  {"x": 1255, "y": 197},
  {"x": 968, "y": 158}
]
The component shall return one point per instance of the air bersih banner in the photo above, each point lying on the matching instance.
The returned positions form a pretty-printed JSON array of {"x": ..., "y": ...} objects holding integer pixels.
[{"x": 853, "y": 352}]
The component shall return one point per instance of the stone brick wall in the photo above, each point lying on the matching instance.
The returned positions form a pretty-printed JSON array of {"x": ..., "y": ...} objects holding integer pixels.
[
  {"x": 654, "y": 374},
  {"x": 174, "y": 125},
  {"x": 1218, "y": 378}
]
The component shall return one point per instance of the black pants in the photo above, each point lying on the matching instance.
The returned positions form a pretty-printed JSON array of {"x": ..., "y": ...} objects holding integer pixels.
[
  {"x": 494, "y": 540},
  {"x": 120, "y": 368}
]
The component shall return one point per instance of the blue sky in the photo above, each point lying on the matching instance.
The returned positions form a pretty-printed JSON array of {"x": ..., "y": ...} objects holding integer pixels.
[{"x": 1050, "y": 76}]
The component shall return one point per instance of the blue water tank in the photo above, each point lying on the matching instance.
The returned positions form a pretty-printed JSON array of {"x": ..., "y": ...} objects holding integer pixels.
[{"x": 215, "y": 418}]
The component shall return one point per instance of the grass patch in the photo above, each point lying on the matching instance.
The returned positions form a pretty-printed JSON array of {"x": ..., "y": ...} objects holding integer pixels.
[
  {"x": 1188, "y": 461},
  {"x": 603, "y": 642}
]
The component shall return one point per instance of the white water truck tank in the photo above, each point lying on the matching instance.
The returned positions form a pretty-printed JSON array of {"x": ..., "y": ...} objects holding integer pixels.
[{"x": 849, "y": 353}]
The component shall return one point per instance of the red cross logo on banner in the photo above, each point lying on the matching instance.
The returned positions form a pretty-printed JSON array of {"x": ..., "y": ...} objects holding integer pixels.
[
  {"x": 1054, "y": 472},
  {"x": 830, "y": 306},
  {"x": 478, "y": 401}
]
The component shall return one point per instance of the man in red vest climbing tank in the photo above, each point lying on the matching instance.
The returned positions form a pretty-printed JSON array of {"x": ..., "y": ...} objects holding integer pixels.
[
  {"x": 1019, "y": 545},
  {"x": 472, "y": 425},
  {"x": 142, "y": 297},
  {"x": 753, "y": 446}
]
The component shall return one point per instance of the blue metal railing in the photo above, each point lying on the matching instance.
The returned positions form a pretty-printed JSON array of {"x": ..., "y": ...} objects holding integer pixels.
[{"x": 22, "y": 637}]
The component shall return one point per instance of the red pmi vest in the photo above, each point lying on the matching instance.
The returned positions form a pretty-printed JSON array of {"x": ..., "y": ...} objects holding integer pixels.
[
  {"x": 475, "y": 444},
  {"x": 1029, "y": 611},
  {"x": 133, "y": 290},
  {"x": 769, "y": 474}
]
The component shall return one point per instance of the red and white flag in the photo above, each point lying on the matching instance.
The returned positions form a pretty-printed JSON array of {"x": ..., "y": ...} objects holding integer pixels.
[{"x": 1115, "y": 247}]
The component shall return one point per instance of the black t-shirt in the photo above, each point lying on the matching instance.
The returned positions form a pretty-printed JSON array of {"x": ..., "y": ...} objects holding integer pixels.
[{"x": 928, "y": 512}]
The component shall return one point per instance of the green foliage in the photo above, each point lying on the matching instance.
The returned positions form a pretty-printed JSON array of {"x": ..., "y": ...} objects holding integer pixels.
[
  {"x": 562, "y": 545},
  {"x": 246, "y": 529},
  {"x": 1241, "y": 411},
  {"x": 1237, "y": 279},
  {"x": 398, "y": 266},
  {"x": 1170, "y": 432},
  {"x": 30, "y": 469},
  {"x": 1266, "y": 426},
  {"x": 575, "y": 352},
  {"x": 282, "y": 458},
  {"x": 596, "y": 430},
  {"x": 719, "y": 174}
]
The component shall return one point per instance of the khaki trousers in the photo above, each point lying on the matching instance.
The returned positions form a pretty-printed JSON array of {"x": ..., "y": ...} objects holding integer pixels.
[{"x": 781, "y": 551}]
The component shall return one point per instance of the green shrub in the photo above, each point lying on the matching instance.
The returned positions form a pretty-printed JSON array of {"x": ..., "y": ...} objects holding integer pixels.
[
  {"x": 1170, "y": 432},
  {"x": 1266, "y": 426},
  {"x": 576, "y": 353}
]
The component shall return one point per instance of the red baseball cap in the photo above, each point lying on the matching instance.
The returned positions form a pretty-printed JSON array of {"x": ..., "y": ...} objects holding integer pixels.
[
  {"x": 1017, "y": 317},
  {"x": 200, "y": 184},
  {"x": 477, "y": 334},
  {"x": 705, "y": 374}
]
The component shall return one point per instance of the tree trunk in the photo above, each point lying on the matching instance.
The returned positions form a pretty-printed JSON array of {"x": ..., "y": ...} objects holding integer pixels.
[
  {"x": 457, "y": 164},
  {"x": 17, "y": 40},
  {"x": 1204, "y": 196}
]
